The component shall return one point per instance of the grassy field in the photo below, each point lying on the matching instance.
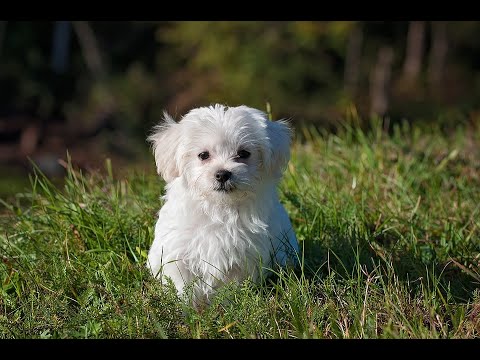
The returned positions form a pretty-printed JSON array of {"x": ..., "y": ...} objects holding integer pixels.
[{"x": 388, "y": 223}]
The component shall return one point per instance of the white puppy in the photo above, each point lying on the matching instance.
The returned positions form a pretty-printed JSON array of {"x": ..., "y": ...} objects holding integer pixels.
[{"x": 221, "y": 220}]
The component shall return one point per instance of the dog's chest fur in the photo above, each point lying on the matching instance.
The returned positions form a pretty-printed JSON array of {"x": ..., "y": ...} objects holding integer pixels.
[
  {"x": 221, "y": 249},
  {"x": 216, "y": 243}
]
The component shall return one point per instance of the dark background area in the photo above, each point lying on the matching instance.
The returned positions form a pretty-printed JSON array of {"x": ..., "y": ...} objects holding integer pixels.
[{"x": 96, "y": 88}]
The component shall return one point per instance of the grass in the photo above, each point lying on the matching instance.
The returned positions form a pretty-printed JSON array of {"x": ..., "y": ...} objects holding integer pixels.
[{"x": 388, "y": 222}]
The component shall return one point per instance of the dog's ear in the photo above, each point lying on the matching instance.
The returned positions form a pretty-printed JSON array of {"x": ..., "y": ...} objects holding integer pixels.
[
  {"x": 165, "y": 141},
  {"x": 277, "y": 156}
]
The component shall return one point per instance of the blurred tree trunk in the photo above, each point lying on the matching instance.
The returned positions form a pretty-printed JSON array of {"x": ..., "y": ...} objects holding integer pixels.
[
  {"x": 3, "y": 25},
  {"x": 91, "y": 52},
  {"x": 438, "y": 56},
  {"x": 90, "y": 49},
  {"x": 29, "y": 139},
  {"x": 380, "y": 79},
  {"x": 414, "y": 51},
  {"x": 352, "y": 61},
  {"x": 61, "y": 46}
]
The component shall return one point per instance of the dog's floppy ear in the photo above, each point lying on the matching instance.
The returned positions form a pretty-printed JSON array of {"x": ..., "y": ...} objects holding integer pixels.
[
  {"x": 165, "y": 141},
  {"x": 278, "y": 152}
]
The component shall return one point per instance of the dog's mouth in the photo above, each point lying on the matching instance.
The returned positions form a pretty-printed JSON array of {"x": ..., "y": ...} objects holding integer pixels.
[{"x": 224, "y": 187}]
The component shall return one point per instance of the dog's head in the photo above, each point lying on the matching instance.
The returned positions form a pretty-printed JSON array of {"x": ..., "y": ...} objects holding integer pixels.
[{"x": 222, "y": 152}]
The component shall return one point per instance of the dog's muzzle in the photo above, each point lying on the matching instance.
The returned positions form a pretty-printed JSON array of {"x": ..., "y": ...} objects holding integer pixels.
[
  {"x": 223, "y": 181},
  {"x": 222, "y": 176}
]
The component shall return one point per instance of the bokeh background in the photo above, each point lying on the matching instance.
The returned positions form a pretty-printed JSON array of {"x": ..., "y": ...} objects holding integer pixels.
[{"x": 96, "y": 88}]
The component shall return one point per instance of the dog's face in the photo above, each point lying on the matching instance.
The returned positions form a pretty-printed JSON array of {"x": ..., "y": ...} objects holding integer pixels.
[{"x": 222, "y": 154}]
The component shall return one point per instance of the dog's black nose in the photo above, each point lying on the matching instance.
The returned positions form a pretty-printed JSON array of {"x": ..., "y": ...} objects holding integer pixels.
[{"x": 223, "y": 175}]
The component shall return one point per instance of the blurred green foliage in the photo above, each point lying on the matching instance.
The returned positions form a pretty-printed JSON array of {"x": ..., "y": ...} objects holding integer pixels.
[
  {"x": 297, "y": 66},
  {"x": 290, "y": 64}
]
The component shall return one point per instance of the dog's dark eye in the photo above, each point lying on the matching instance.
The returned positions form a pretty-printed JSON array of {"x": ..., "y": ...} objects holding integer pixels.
[
  {"x": 204, "y": 155},
  {"x": 243, "y": 154}
]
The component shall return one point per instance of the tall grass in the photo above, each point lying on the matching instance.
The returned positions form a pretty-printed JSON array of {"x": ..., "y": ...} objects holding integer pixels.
[{"x": 388, "y": 222}]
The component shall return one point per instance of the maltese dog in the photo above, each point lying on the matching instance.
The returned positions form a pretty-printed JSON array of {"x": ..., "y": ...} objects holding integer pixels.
[{"x": 221, "y": 220}]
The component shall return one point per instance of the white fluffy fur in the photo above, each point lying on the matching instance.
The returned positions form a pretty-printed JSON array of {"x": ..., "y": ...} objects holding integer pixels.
[{"x": 205, "y": 237}]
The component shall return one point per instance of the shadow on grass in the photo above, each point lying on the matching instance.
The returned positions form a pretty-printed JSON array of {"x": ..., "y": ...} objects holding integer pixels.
[{"x": 345, "y": 255}]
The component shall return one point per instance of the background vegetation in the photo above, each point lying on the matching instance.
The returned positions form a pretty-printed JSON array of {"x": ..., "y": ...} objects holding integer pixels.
[{"x": 101, "y": 85}]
